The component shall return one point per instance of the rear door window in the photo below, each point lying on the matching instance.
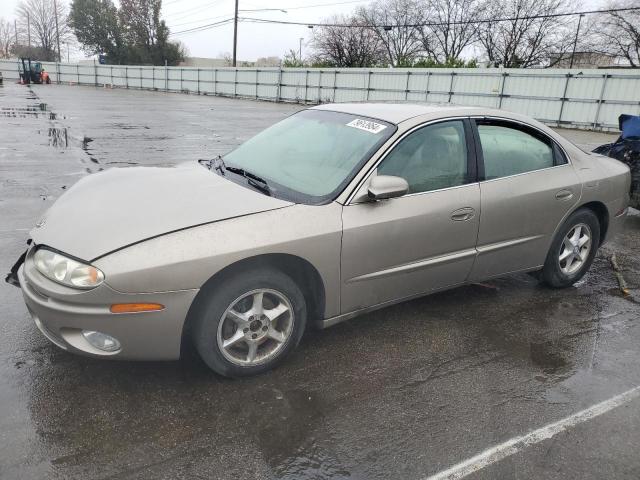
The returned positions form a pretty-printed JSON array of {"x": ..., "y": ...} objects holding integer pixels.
[{"x": 510, "y": 149}]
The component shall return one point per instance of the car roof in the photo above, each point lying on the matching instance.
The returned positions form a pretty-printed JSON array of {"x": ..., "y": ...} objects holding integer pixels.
[{"x": 399, "y": 112}]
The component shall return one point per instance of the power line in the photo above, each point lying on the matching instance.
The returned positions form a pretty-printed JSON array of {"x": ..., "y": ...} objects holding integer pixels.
[
  {"x": 191, "y": 22},
  {"x": 436, "y": 24},
  {"x": 325, "y": 4},
  {"x": 192, "y": 11},
  {"x": 185, "y": 14},
  {"x": 203, "y": 27}
]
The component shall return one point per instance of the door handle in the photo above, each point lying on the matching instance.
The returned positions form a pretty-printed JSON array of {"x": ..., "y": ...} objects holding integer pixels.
[
  {"x": 564, "y": 194},
  {"x": 463, "y": 214}
]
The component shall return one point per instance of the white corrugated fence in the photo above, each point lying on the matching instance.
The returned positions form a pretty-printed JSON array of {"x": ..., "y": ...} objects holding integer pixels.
[{"x": 591, "y": 99}]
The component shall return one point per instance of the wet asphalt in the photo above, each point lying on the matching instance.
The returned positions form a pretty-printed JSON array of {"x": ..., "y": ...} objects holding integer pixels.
[{"x": 401, "y": 393}]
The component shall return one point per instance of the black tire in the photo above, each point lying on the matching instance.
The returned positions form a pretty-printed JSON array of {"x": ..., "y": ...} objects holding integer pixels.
[
  {"x": 552, "y": 272},
  {"x": 209, "y": 316}
]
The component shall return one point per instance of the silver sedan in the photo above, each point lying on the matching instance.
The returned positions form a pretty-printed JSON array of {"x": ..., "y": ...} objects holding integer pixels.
[{"x": 331, "y": 213}]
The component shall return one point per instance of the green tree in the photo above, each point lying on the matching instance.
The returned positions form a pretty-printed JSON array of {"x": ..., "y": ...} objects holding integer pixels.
[
  {"x": 147, "y": 33},
  {"x": 96, "y": 25},
  {"x": 292, "y": 60},
  {"x": 132, "y": 34}
]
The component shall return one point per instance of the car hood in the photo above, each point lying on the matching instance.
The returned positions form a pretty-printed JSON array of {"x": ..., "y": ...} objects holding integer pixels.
[{"x": 110, "y": 210}]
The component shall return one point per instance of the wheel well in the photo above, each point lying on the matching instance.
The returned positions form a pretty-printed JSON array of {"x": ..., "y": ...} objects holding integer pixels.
[
  {"x": 602, "y": 213},
  {"x": 301, "y": 271}
]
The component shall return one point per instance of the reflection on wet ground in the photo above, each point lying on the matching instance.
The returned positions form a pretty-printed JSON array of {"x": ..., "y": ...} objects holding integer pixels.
[
  {"x": 400, "y": 393},
  {"x": 58, "y": 137}
]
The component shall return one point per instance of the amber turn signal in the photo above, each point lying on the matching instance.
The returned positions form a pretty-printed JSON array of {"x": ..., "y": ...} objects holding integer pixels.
[{"x": 135, "y": 307}]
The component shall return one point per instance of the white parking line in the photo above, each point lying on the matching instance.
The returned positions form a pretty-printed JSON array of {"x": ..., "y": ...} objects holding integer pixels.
[{"x": 516, "y": 444}]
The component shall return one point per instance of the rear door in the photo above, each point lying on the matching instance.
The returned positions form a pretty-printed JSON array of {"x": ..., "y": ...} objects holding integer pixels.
[
  {"x": 422, "y": 241},
  {"x": 527, "y": 187}
]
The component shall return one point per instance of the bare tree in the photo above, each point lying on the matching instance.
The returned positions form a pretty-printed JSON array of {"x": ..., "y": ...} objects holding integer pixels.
[
  {"x": 37, "y": 20},
  {"x": 351, "y": 45},
  {"x": 451, "y": 29},
  {"x": 619, "y": 32},
  {"x": 397, "y": 25},
  {"x": 530, "y": 36},
  {"x": 7, "y": 38}
]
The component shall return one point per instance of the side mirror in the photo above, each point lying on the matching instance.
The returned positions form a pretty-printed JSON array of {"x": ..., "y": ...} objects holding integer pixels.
[{"x": 387, "y": 186}]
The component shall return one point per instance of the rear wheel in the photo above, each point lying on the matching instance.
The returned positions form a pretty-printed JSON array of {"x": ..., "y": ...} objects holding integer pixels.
[
  {"x": 572, "y": 250},
  {"x": 250, "y": 323}
]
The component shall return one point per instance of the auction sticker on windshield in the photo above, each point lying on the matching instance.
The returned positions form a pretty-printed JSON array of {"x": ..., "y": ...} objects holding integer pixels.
[{"x": 366, "y": 125}]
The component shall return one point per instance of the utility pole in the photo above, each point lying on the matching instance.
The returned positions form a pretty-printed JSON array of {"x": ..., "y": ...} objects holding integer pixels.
[
  {"x": 575, "y": 42},
  {"x": 55, "y": 8},
  {"x": 15, "y": 30},
  {"x": 28, "y": 29},
  {"x": 235, "y": 34},
  {"x": 300, "y": 49}
]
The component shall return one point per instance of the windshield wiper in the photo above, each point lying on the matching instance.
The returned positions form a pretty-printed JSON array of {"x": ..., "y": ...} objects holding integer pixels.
[
  {"x": 216, "y": 163},
  {"x": 252, "y": 179}
]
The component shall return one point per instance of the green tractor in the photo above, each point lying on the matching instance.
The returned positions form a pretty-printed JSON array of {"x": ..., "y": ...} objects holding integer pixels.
[{"x": 32, "y": 72}]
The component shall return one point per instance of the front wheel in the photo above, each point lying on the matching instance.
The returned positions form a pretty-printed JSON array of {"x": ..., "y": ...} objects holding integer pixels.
[
  {"x": 572, "y": 250},
  {"x": 250, "y": 323}
]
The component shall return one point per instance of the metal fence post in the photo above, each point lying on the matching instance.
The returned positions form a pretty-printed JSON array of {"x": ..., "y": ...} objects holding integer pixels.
[
  {"x": 564, "y": 97},
  {"x": 600, "y": 100},
  {"x": 126, "y": 77},
  {"x": 406, "y": 86},
  {"x": 95, "y": 73},
  {"x": 320, "y": 87},
  {"x": 368, "y": 85},
  {"x": 257, "y": 73},
  {"x": 426, "y": 88},
  {"x": 153, "y": 78},
  {"x": 279, "y": 84},
  {"x": 111, "y": 68},
  {"x": 453, "y": 74},
  {"x": 181, "y": 89},
  {"x": 198, "y": 80},
  {"x": 306, "y": 85},
  {"x": 57, "y": 73},
  {"x": 235, "y": 83},
  {"x": 335, "y": 84},
  {"x": 215, "y": 81},
  {"x": 166, "y": 77},
  {"x": 504, "y": 80}
]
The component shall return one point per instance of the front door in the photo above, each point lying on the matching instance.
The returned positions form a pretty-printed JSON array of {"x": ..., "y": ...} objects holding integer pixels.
[{"x": 425, "y": 240}]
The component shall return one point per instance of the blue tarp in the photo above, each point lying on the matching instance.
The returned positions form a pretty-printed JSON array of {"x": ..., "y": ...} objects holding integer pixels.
[{"x": 629, "y": 126}]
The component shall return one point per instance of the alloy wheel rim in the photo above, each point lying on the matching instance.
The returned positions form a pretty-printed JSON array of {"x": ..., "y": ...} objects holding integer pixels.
[
  {"x": 575, "y": 249},
  {"x": 255, "y": 327}
]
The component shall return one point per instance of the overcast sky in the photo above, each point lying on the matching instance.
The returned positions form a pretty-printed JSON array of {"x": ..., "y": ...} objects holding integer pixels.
[{"x": 254, "y": 40}]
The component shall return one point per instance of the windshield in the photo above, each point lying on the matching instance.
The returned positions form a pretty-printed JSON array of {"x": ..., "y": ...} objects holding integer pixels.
[{"x": 312, "y": 155}]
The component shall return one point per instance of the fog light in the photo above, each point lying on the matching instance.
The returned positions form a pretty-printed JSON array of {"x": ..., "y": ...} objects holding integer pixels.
[{"x": 101, "y": 341}]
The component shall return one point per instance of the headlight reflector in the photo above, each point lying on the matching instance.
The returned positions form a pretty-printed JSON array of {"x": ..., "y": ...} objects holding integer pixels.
[{"x": 66, "y": 271}]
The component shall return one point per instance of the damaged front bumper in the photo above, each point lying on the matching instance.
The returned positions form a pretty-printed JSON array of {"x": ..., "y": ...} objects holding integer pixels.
[
  {"x": 12, "y": 276},
  {"x": 62, "y": 314}
]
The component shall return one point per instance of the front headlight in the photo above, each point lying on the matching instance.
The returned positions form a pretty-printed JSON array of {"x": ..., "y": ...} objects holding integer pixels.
[{"x": 66, "y": 271}]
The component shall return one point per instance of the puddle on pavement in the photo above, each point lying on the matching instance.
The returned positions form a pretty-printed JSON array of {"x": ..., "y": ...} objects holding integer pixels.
[
  {"x": 126, "y": 126},
  {"x": 19, "y": 112},
  {"x": 85, "y": 143},
  {"x": 32, "y": 111},
  {"x": 548, "y": 356}
]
